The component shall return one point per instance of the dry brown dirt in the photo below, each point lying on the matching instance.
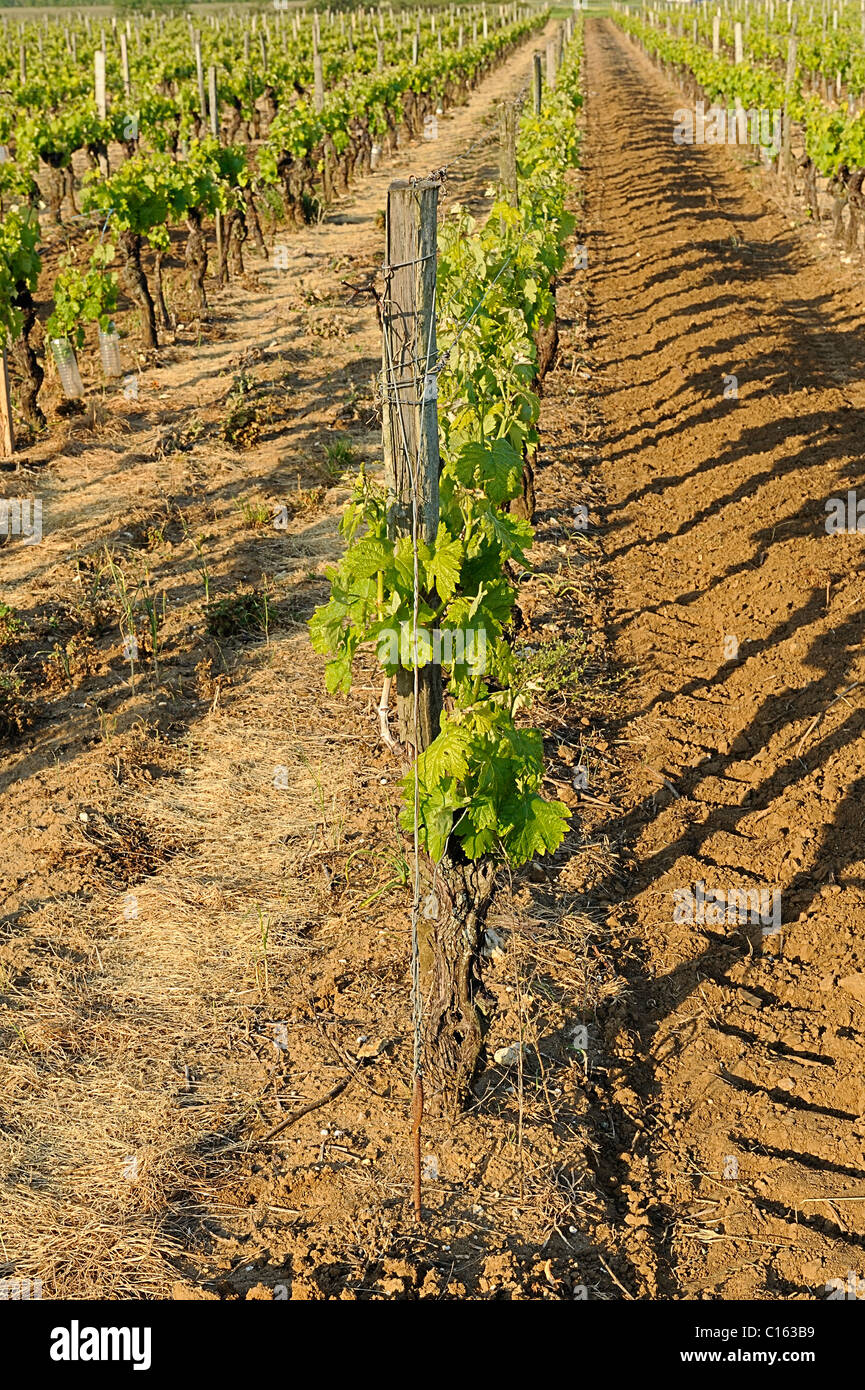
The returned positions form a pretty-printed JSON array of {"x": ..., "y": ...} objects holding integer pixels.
[{"x": 741, "y": 754}]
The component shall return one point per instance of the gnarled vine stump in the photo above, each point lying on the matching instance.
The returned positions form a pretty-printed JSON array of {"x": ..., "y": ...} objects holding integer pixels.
[
  {"x": 449, "y": 940},
  {"x": 134, "y": 283}
]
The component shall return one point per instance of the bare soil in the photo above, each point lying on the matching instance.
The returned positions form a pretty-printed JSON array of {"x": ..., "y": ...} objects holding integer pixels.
[{"x": 741, "y": 1115}]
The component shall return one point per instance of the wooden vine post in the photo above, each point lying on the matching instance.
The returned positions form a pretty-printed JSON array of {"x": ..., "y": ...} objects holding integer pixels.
[
  {"x": 99, "y": 82},
  {"x": 412, "y": 466},
  {"x": 101, "y": 99},
  {"x": 409, "y": 419},
  {"x": 7, "y": 435},
  {"x": 786, "y": 160},
  {"x": 551, "y": 64},
  {"x": 124, "y": 66},
  {"x": 199, "y": 78},
  {"x": 448, "y": 929},
  {"x": 508, "y": 153},
  {"x": 739, "y": 58},
  {"x": 214, "y": 130},
  {"x": 537, "y": 84},
  {"x": 318, "y": 75},
  {"x": 213, "y": 102}
]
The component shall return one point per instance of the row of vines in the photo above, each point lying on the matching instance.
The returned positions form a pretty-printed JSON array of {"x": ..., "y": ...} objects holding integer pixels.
[
  {"x": 803, "y": 60},
  {"x": 116, "y": 141},
  {"x": 473, "y": 797}
]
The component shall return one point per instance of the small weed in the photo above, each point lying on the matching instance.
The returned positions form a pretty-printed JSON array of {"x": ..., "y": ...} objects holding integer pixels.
[
  {"x": 303, "y": 500},
  {"x": 338, "y": 457},
  {"x": 556, "y": 668},
  {"x": 68, "y": 661},
  {"x": 178, "y": 439},
  {"x": 12, "y": 628},
  {"x": 17, "y": 713},
  {"x": 263, "y": 980},
  {"x": 197, "y": 543},
  {"x": 254, "y": 513},
  {"x": 245, "y": 417},
  {"x": 331, "y": 834},
  {"x": 139, "y": 614},
  {"x": 399, "y": 873},
  {"x": 241, "y": 427},
  {"x": 567, "y": 670},
  {"x": 238, "y": 614}
]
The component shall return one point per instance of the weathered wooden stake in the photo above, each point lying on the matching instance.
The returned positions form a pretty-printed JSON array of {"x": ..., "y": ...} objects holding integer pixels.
[
  {"x": 199, "y": 77},
  {"x": 7, "y": 434},
  {"x": 410, "y": 414},
  {"x": 213, "y": 102},
  {"x": 508, "y": 153},
  {"x": 99, "y": 82},
  {"x": 738, "y": 43},
  {"x": 786, "y": 160},
  {"x": 537, "y": 84},
  {"x": 214, "y": 130},
  {"x": 318, "y": 78},
  {"x": 551, "y": 64},
  {"x": 124, "y": 64}
]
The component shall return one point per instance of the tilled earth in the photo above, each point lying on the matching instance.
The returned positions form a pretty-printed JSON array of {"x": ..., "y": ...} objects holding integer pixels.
[{"x": 727, "y": 354}]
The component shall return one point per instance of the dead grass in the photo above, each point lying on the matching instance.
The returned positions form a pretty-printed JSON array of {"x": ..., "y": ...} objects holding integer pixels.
[
  {"x": 122, "y": 1035},
  {"x": 97, "y": 423}
]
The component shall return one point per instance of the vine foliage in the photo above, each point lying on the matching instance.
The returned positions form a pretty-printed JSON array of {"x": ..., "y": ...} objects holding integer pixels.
[{"x": 480, "y": 779}]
